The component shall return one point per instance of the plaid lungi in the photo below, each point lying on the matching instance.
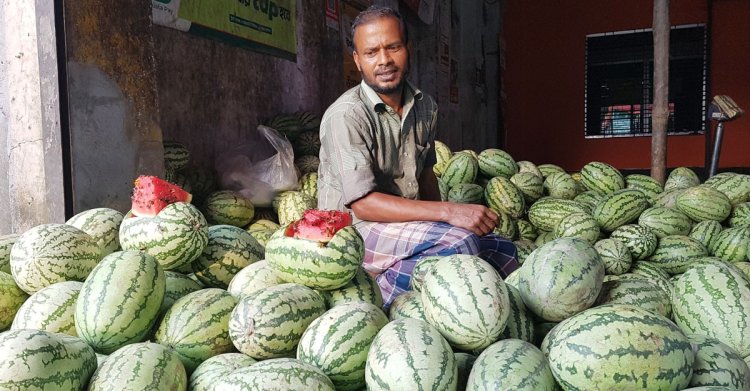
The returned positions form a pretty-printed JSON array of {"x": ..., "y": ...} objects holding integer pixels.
[{"x": 393, "y": 249}]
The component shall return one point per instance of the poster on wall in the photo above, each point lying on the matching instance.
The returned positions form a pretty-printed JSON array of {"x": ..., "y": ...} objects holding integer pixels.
[
  {"x": 332, "y": 13},
  {"x": 267, "y": 26}
]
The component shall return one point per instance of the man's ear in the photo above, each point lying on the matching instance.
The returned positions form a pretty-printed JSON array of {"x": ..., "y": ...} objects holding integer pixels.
[{"x": 356, "y": 60}]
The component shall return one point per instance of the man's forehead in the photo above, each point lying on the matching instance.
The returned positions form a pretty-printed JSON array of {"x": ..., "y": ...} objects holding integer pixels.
[{"x": 376, "y": 20}]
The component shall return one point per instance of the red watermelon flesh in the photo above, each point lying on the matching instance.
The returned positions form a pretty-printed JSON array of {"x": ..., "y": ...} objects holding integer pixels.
[
  {"x": 319, "y": 225},
  {"x": 152, "y": 194}
]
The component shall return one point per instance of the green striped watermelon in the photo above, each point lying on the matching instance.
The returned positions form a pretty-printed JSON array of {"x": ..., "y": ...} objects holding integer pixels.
[
  {"x": 196, "y": 327},
  {"x": 177, "y": 286},
  {"x": 307, "y": 143},
  {"x": 211, "y": 371},
  {"x": 280, "y": 374},
  {"x": 511, "y": 364},
  {"x": 361, "y": 288},
  {"x": 228, "y": 207},
  {"x": 252, "y": 278},
  {"x": 578, "y": 225},
  {"x": 407, "y": 305},
  {"x": 548, "y": 168},
  {"x": 641, "y": 241},
  {"x": 506, "y": 226},
  {"x": 420, "y": 270},
  {"x": 561, "y": 278},
  {"x": 681, "y": 178},
  {"x": 464, "y": 363},
  {"x": 461, "y": 168},
  {"x": 495, "y": 162},
  {"x": 636, "y": 292},
  {"x": 51, "y": 253},
  {"x": 339, "y": 340},
  {"x": 526, "y": 230},
  {"x": 560, "y": 185},
  {"x": 175, "y": 237},
  {"x": 740, "y": 216},
  {"x": 292, "y": 205},
  {"x": 602, "y": 178},
  {"x": 50, "y": 309},
  {"x": 619, "y": 347},
  {"x": 717, "y": 364},
  {"x": 676, "y": 253},
  {"x": 11, "y": 300},
  {"x": 503, "y": 196},
  {"x": 619, "y": 208},
  {"x": 40, "y": 360},
  {"x": 668, "y": 199},
  {"x": 103, "y": 224},
  {"x": 308, "y": 184},
  {"x": 710, "y": 299},
  {"x": 543, "y": 238},
  {"x": 176, "y": 155},
  {"x": 111, "y": 315},
  {"x": 647, "y": 185},
  {"x": 228, "y": 251},
  {"x": 520, "y": 319},
  {"x": 140, "y": 366},
  {"x": 590, "y": 199},
  {"x": 706, "y": 232},
  {"x": 180, "y": 179},
  {"x": 704, "y": 203},
  {"x": 466, "y": 300},
  {"x": 615, "y": 255},
  {"x": 315, "y": 265},
  {"x": 546, "y": 213},
  {"x": 442, "y": 152},
  {"x": 6, "y": 243},
  {"x": 649, "y": 269},
  {"x": 307, "y": 164},
  {"x": 269, "y": 323},
  {"x": 466, "y": 193},
  {"x": 513, "y": 279},
  {"x": 409, "y": 354},
  {"x": 665, "y": 221},
  {"x": 735, "y": 186},
  {"x": 744, "y": 267},
  {"x": 662, "y": 283},
  {"x": 731, "y": 244},
  {"x": 524, "y": 248},
  {"x": 527, "y": 166}
]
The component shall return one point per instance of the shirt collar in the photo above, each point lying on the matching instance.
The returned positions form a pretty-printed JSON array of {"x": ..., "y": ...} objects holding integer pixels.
[{"x": 412, "y": 93}]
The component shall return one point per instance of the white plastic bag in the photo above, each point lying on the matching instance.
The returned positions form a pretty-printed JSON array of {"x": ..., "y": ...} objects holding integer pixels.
[{"x": 259, "y": 169}]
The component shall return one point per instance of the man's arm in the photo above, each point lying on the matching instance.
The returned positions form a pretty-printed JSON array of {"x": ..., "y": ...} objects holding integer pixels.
[{"x": 392, "y": 209}]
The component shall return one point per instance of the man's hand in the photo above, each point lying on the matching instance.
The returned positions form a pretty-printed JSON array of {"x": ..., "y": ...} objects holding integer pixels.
[{"x": 476, "y": 218}]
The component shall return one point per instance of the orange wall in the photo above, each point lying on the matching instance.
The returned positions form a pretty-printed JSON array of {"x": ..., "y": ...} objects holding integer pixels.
[{"x": 545, "y": 72}]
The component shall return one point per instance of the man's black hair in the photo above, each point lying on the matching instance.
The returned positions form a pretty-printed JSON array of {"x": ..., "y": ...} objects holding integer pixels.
[{"x": 377, "y": 12}]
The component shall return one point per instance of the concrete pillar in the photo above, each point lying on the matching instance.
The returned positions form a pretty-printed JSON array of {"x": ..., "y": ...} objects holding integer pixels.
[{"x": 31, "y": 172}]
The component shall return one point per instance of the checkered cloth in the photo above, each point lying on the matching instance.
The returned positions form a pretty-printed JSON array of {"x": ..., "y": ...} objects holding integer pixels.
[{"x": 393, "y": 249}]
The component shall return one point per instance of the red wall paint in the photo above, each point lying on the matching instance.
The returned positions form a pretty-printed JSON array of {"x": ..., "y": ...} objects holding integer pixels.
[{"x": 545, "y": 72}]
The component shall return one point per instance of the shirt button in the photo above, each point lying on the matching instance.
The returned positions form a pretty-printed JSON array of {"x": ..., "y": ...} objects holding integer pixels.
[{"x": 406, "y": 154}]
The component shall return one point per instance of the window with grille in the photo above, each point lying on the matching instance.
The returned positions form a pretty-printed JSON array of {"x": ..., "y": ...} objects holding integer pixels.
[{"x": 619, "y": 82}]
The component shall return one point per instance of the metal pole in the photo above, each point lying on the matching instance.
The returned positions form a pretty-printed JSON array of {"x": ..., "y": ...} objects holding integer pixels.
[
  {"x": 660, "y": 111},
  {"x": 717, "y": 149}
]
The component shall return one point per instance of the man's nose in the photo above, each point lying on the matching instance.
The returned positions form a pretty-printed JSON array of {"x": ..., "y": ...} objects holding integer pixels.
[{"x": 384, "y": 57}]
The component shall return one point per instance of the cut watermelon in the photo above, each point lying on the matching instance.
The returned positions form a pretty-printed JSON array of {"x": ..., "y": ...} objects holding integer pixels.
[
  {"x": 152, "y": 194},
  {"x": 319, "y": 225}
]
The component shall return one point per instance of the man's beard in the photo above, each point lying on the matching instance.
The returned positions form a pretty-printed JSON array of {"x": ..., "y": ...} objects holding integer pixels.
[{"x": 386, "y": 90}]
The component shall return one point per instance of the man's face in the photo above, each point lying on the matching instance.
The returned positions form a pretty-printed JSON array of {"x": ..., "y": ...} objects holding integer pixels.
[{"x": 381, "y": 54}]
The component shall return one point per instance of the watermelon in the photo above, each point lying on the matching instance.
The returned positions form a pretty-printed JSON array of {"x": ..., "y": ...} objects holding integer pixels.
[
  {"x": 407, "y": 305},
  {"x": 140, "y": 366},
  {"x": 103, "y": 224},
  {"x": 466, "y": 193},
  {"x": 665, "y": 221},
  {"x": 636, "y": 292},
  {"x": 11, "y": 299},
  {"x": 466, "y": 300},
  {"x": 676, "y": 253},
  {"x": 308, "y": 184},
  {"x": 548, "y": 168},
  {"x": 442, "y": 152},
  {"x": 409, "y": 354},
  {"x": 641, "y": 241},
  {"x": 50, "y": 309},
  {"x": 520, "y": 319},
  {"x": 464, "y": 363},
  {"x": 361, "y": 288},
  {"x": 513, "y": 279},
  {"x": 731, "y": 244},
  {"x": 739, "y": 217},
  {"x": 511, "y": 364},
  {"x": 307, "y": 143},
  {"x": 178, "y": 179},
  {"x": 506, "y": 226},
  {"x": 668, "y": 199},
  {"x": 717, "y": 364},
  {"x": 202, "y": 182},
  {"x": 503, "y": 196},
  {"x": 615, "y": 255},
  {"x": 619, "y": 347},
  {"x": 589, "y": 199},
  {"x": 6, "y": 243},
  {"x": 561, "y": 278},
  {"x": 526, "y": 230},
  {"x": 281, "y": 374},
  {"x": 706, "y": 232},
  {"x": 314, "y": 264},
  {"x": 176, "y": 155},
  {"x": 710, "y": 299},
  {"x": 40, "y": 360},
  {"x": 461, "y": 168},
  {"x": 269, "y": 323},
  {"x": 649, "y": 269},
  {"x": 152, "y": 194},
  {"x": 420, "y": 270},
  {"x": 111, "y": 315},
  {"x": 527, "y": 166},
  {"x": 228, "y": 207},
  {"x": 619, "y": 208},
  {"x": 546, "y": 213},
  {"x": 704, "y": 203},
  {"x": 681, "y": 178},
  {"x": 228, "y": 251},
  {"x": 560, "y": 185},
  {"x": 495, "y": 162},
  {"x": 663, "y": 283},
  {"x": 252, "y": 278},
  {"x": 307, "y": 164},
  {"x": 196, "y": 327},
  {"x": 211, "y": 371},
  {"x": 647, "y": 185},
  {"x": 292, "y": 206},
  {"x": 735, "y": 186},
  {"x": 602, "y": 178},
  {"x": 543, "y": 238},
  {"x": 524, "y": 248},
  {"x": 339, "y": 340},
  {"x": 177, "y": 285},
  {"x": 175, "y": 237},
  {"x": 578, "y": 225},
  {"x": 51, "y": 253}
]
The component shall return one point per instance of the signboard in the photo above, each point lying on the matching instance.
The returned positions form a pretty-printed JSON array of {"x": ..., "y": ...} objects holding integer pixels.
[{"x": 267, "y": 26}]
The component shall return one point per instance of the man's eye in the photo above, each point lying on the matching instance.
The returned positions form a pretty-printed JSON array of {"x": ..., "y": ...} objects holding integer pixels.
[{"x": 395, "y": 48}]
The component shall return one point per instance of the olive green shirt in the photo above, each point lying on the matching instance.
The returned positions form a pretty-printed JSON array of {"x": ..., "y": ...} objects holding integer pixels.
[{"x": 366, "y": 147}]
